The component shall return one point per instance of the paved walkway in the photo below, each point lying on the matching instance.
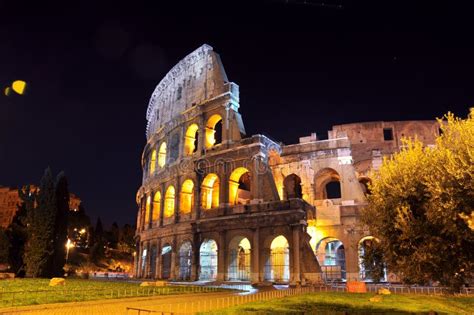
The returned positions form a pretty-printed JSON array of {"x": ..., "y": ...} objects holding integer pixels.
[{"x": 115, "y": 306}]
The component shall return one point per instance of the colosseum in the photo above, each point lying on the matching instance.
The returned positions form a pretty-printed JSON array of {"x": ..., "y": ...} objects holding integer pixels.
[{"x": 219, "y": 205}]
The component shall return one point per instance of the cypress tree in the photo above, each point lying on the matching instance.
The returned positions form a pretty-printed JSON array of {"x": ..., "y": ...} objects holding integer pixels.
[
  {"x": 58, "y": 259},
  {"x": 17, "y": 232},
  {"x": 41, "y": 222}
]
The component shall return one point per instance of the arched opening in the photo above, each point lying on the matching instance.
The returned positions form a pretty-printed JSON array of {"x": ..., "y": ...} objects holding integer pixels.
[
  {"x": 156, "y": 207},
  {"x": 162, "y": 155},
  {"x": 169, "y": 202},
  {"x": 153, "y": 253},
  {"x": 187, "y": 196},
  {"x": 191, "y": 140},
  {"x": 210, "y": 191},
  {"x": 292, "y": 187},
  {"x": 147, "y": 211},
  {"x": 332, "y": 259},
  {"x": 368, "y": 246},
  {"x": 364, "y": 185},
  {"x": 239, "y": 266},
  {"x": 277, "y": 266},
  {"x": 144, "y": 256},
  {"x": 153, "y": 162},
  {"x": 208, "y": 260},
  {"x": 185, "y": 260},
  {"x": 166, "y": 262},
  {"x": 213, "y": 131},
  {"x": 327, "y": 184},
  {"x": 239, "y": 186}
]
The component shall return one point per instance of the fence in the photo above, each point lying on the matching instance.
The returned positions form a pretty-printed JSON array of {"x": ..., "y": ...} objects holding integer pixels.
[
  {"x": 18, "y": 298},
  {"x": 205, "y": 305}
]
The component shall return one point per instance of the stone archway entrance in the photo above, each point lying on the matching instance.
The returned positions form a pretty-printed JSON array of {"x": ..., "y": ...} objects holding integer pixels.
[
  {"x": 208, "y": 260},
  {"x": 239, "y": 259},
  {"x": 277, "y": 266},
  {"x": 332, "y": 259},
  {"x": 185, "y": 261},
  {"x": 166, "y": 262}
]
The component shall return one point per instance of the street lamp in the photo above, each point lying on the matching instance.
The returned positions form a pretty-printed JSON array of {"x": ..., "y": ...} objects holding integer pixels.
[{"x": 69, "y": 245}]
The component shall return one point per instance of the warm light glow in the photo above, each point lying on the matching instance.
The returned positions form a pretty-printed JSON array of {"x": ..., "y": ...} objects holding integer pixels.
[
  {"x": 186, "y": 199},
  {"x": 153, "y": 162},
  {"x": 82, "y": 231},
  {"x": 69, "y": 244},
  {"x": 169, "y": 202},
  {"x": 210, "y": 191},
  {"x": 19, "y": 86},
  {"x": 156, "y": 206},
  {"x": 190, "y": 140},
  {"x": 162, "y": 155},
  {"x": 279, "y": 242},
  {"x": 245, "y": 244},
  {"x": 147, "y": 210},
  {"x": 234, "y": 184},
  {"x": 210, "y": 130},
  {"x": 315, "y": 233}
]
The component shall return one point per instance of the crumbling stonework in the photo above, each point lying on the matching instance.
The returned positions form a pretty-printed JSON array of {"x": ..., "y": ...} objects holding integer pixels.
[{"x": 218, "y": 205}]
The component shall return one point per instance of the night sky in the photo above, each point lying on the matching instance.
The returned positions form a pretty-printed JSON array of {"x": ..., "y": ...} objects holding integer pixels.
[{"x": 301, "y": 68}]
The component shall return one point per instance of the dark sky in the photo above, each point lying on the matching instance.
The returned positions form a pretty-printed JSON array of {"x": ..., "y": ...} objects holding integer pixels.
[{"x": 92, "y": 67}]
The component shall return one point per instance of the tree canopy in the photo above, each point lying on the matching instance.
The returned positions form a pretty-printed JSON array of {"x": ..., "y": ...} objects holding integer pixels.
[{"x": 421, "y": 201}]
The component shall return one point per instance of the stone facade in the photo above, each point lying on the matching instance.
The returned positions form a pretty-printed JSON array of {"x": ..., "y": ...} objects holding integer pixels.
[
  {"x": 218, "y": 205},
  {"x": 10, "y": 200}
]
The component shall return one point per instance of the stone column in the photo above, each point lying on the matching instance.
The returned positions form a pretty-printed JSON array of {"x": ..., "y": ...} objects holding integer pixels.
[
  {"x": 352, "y": 259},
  {"x": 173, "y": 273},
  {"x": 195, "y": 258},
  {"x": 255, "y": 262},
  {"x": 162, "y": 203},
  {"x": 158, "y": 260},
  {"x": 221, "y": 256},
  {"x": 296, "y": 277}
]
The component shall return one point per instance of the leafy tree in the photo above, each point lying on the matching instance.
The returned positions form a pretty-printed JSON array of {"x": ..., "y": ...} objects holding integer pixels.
[
  {"x": 420, "y": 199},
  {"x": 4, "y": 247},
  {"x": 17, "y": 231},
  {"x": 372, "y": 260},
  {"x": 41, "y": 222}
]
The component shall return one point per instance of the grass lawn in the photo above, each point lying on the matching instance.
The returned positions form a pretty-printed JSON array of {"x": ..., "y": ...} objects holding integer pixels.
[
  {"x": 18, "y": 292},
  {"x": 356, "y": 303}
]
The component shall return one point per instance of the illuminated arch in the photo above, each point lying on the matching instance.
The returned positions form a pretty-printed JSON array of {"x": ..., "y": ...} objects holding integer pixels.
[
  {"x": 211, "y": 130},
  {"x": 153, "y": 162},
  {"x": 169, "y": 202},
  {"x": 191, "y": 140},
  {"x": 186, "y": 198},
  {"x": 208, "y": 260},
  {"x": 363, "y": 244},
  {"x": 240, "y": 259},
  {"x": 162, "y": 155},
  {"x": 156, "y": 206},
  {"x": 331, "y": 256},
  {"x": 210, "y": 191},
  {"x": 185, "y": 260},
  {"x": 147, "y": 211},
  {"x": 277, "y": 266},
  {"x": 239, "y": 186}
]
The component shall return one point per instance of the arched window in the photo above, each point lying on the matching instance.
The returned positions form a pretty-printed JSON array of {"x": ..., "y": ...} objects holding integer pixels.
[
  {"x": 213, "y": 131},
  {"x": 156, "y": 207},
  {"x": 292, "y": 187},
  {"x": 191, "y": 140},
  {"x": 327, "y": 184},
  {"x": 239, "y": 186},
  {"x": 187, "y": 193},
  {"x": 239, "y": 254},
  {"x": 147, "y": 211},
  {"x": 153, "y": 162},
  {"x": 210, "y": 191},
  {"x": 208, "y": 260},
  {"x": 169, "y": 202},
  {"x": 162, "y": 155}
]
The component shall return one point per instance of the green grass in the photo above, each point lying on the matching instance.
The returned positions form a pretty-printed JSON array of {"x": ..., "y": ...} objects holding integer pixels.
[
  {"x": 38, "y": 291},
  {"x": 356, "y": 303}
]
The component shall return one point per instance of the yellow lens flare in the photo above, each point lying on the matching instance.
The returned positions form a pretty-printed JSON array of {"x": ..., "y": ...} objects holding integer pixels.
[
  {"x": 19, "y": 87},
  {"x": 7, "y": 91}
]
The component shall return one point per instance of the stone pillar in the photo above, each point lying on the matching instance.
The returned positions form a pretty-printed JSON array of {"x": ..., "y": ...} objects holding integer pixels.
[
  {"x": 255, "y": 262},
  {"x": 265, "y": 267},
  {"x": 158, "y": 260},
  {"x": 256, "y": 179},
  {"x": 173, "y": 273},
  {"x": 162, "y": 203},
  {"x": 177, "y": 200},
  {"x": 195, "y": 258},
  {"x": 136, "y": 260},
  {"x": 296, "y": 276},
  {"x": 224, "y": 183},
  {"x": 352, "y": 259},
  {"x": 221, "y": 256}
]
